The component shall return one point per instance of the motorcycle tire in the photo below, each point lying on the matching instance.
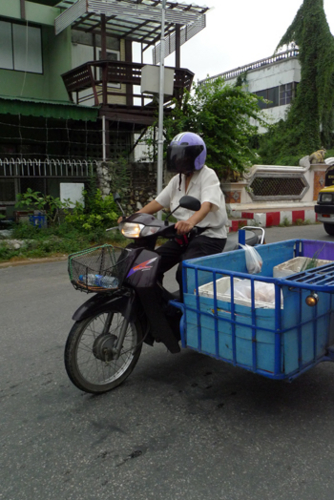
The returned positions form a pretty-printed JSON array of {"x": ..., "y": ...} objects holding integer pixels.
[{"x": 87, "y": 344}]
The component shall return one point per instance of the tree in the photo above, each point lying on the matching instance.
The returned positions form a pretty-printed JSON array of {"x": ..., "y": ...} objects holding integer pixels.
[
  {"x": 222, "y": 115},
  {"x": 310, "y": 120}
]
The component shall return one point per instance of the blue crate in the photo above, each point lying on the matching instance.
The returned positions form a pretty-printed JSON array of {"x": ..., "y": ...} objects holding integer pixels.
[
  {"x": 279, "y": 343},
  {"x": 38, "y": 220}
]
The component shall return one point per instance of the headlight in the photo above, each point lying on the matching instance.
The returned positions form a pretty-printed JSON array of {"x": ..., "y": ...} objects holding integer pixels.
[
  {"x": 149, "y": 230},
  {"x": 131, "y": 230},
  {"x": 135, "y": 230},
  {"x": 327, "y": 198}
]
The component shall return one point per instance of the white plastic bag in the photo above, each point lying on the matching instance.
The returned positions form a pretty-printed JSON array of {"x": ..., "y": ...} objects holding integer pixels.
[
  {"x": 253, "y": 259},
  {"x": 264, "y": 294}
]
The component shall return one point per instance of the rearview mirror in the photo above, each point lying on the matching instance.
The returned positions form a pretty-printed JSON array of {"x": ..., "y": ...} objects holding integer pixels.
[{"x": 190, "y": 203}]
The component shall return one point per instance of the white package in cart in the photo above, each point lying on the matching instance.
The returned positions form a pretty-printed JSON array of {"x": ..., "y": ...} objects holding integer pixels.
[{"x": 264, "y": 293}]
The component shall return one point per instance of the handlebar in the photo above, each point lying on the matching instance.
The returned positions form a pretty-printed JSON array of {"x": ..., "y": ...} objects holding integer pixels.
[{"x": 252, "y": 228}]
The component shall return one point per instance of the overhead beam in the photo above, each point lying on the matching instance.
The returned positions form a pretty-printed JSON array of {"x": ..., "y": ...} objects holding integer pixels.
[{"x": 109, "y": 9}]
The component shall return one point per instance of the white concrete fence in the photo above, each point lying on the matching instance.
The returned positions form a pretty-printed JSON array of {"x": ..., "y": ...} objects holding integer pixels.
[{"x": 270, "y": 195}]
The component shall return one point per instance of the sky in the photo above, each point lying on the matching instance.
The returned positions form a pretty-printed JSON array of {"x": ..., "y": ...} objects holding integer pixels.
[{"x": 239, "y": 32}]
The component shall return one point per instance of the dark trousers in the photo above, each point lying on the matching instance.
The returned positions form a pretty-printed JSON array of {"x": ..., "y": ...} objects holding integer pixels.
[{"x": 173, "y": 253}]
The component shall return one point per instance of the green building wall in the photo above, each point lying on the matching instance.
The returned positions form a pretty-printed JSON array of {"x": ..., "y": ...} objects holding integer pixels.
[{"x": 56, "y": 52}]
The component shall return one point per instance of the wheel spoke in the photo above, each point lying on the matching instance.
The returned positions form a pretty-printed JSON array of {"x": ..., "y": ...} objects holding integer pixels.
[{"x": 98, "y": 371}]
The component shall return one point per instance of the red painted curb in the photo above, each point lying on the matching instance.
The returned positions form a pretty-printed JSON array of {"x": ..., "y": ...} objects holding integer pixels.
[{"x": 271, "y": 218}]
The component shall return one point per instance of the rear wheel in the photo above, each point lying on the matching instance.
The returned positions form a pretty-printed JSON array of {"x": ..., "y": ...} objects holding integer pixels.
[
  {"x": 90, "y": 360},
  {"x": 329, "y": 228}
]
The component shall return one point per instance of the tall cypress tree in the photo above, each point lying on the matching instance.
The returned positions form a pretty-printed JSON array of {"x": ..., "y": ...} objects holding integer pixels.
[{"x": 310, "y": 120}]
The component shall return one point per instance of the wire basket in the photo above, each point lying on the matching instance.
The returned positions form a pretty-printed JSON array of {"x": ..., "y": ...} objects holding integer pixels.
[{"x": 99, "y": 269}]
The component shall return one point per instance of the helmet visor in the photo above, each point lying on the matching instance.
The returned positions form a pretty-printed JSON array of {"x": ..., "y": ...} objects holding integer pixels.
[{"x": 181, "y": 158}]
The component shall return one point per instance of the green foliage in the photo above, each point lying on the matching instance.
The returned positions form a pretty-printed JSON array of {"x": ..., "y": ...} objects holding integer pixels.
[
  {"x": 119, "y": 173},
  {"x": 99, "y": 212},
  {"x": 54, "y": 240},
  {"x": 47, "y": 204},
  {"x": 221, "y": 114},
  {"x": 272, "y": 150},
  {"x": 241, "y": 79},
  {"x": 310, "y": 121},
  {"x": 285, "y": 223},
  {"x": 82, "y": 227}
]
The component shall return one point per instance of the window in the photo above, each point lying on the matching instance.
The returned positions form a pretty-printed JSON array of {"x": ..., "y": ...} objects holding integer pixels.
[
  {"x": 270, "y": 95},
  {"x": 277, "y": 95},
  {"x": 20, "y": 47},
  {"x": 111, "y": 56},
  {"x": 287, "y": 93}
]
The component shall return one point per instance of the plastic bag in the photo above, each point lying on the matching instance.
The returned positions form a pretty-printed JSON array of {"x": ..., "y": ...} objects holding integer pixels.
[
  {"x": 253, "y": 259},
  {"x": 264, "y": 292}
]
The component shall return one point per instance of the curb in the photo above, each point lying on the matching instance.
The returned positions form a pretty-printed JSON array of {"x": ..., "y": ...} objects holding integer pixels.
[
  {"x": 268, "y": 219},
  {"x": 26, "y": 262}
]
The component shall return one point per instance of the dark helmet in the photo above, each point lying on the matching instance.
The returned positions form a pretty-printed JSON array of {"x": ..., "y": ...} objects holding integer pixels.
[{"x": 186, "y": 153}]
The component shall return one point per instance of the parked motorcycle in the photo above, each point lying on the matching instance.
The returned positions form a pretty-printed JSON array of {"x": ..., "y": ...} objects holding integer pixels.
[{"x": 130, "y": 306}]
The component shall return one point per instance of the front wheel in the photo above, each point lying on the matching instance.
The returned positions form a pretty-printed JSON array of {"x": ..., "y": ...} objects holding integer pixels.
[
  {"x": 89, "y": 359},
  {"x": 329, "y": 228}
]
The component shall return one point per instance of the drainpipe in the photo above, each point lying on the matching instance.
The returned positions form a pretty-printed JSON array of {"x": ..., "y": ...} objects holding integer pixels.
[
  {"x": 105, "y": 124},
  {"x": 161, "y": 103},
  {"x": 23, "y": 9},
  {"x": 104, "y": 155}
]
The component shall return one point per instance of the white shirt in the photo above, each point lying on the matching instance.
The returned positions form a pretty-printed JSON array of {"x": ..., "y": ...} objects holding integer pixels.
[{"x": 205, "y": 186}]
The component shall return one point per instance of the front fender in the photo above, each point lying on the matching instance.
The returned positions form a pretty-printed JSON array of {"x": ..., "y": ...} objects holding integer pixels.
[{"x": 125, "y": 304}]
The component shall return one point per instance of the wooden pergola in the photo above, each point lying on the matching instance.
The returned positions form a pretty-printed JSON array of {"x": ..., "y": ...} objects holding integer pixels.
[{"x": 132, "y": 21}]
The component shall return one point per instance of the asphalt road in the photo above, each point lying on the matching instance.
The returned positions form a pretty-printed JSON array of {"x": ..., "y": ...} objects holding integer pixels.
[{"x": 182, "y": 426}]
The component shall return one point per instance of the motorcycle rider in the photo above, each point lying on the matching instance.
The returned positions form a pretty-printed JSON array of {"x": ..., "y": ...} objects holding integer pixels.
[{"x": 186, "y": 157}]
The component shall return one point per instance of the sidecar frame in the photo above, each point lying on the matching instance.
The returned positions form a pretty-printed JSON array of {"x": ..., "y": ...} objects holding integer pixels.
[{"x": 280, "y": 342}]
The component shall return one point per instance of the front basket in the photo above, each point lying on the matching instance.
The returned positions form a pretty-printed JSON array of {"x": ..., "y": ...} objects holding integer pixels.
[{"x": 98, "y": 269}]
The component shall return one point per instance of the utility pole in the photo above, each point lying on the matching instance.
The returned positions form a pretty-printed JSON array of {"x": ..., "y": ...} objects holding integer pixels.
[{"x": 161, "y": 103}]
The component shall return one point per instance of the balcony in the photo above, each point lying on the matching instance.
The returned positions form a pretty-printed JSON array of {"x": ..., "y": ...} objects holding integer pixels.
[{"x": 112, "y": 86}]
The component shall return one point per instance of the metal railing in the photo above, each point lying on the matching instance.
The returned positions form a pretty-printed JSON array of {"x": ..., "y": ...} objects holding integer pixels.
[
  {"x": 234, "y": 73},
  {"x": 21, "y": 167},
  {"x": 98, "y": 75}
]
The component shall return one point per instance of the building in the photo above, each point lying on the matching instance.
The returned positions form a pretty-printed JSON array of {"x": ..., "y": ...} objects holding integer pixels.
[
  {"x": 274, "y": 78},
  {"x": 70, "y": 90}
]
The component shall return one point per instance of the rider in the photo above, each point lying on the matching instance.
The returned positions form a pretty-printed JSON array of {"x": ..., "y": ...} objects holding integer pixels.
[{"x": 186, "y": 156}]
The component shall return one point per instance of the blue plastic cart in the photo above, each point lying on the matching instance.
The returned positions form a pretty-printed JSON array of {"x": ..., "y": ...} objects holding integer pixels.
[{"x": 280, "y": 342}]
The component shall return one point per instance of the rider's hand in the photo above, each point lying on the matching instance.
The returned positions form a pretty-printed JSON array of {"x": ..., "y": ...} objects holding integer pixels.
[
  {"x": 119, "y": 220},
  {"x": 183, "y": 227}
]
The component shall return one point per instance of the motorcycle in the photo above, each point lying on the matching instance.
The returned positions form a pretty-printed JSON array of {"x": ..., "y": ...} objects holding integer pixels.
[{"x": 130, "y": 306}]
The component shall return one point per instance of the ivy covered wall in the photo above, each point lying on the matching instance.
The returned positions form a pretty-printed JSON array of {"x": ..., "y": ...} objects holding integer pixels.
[{"x": 309, "y": 124}]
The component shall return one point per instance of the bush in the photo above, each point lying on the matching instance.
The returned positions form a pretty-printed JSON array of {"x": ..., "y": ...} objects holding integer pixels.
[
  {"x": 98, "y": 213},
  {"x": 83, "y": 226},
  {"x": 57, "y": 240},
  {"x": 47, "y": 204}
]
